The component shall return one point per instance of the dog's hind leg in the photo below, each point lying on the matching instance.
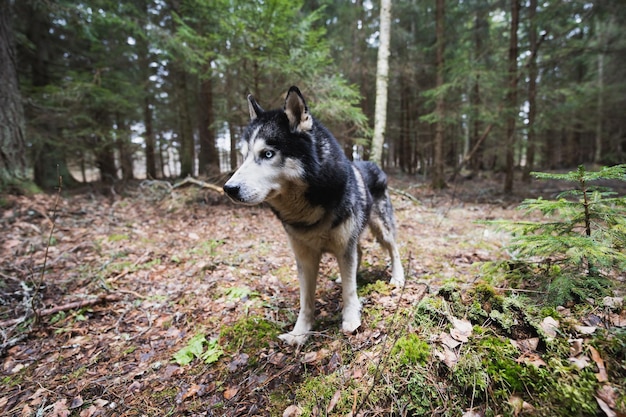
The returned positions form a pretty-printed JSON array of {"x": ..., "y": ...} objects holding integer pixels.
[
  {"x": 383, "y": 226},
  {"x": 348, "y": 263},
  {"x": 308, "y": 262}
]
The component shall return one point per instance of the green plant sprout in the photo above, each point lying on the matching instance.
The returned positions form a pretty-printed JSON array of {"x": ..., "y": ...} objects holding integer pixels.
[{"x": 584, "y": 239}]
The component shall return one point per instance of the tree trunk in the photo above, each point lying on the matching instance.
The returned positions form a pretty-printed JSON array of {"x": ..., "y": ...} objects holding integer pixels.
[
  {"x": 125, "y": 148},
  {"x": 532, "y": 92},
  {"x": 185, "y": 132},
  {"x": 511, "y": 100},
  {"x": 382, "y": 80},
  {"x": 438, "y": 178},
  {"x": 12, "y": 130},
  {"x": 208, "y": 159}
]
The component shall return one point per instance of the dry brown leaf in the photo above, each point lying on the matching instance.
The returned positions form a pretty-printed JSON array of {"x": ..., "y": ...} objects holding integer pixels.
[
  {"x": 448, "y": 357},
  {"x": 576, "y": 347},
  {"x": 292, "y": 411},
  {"x": 59, "y": 409},
  {"x": 585, "y": 329},
  {"x": 447, "y": 340},
  {"x": 230, "y": 392},
  {"x": 519, "y": 405},
  {"x": 27, "y": 411},
  {"x": 602, "y": 376},
  {"x": 526, "y": 345},
  {"x": 605, "y": 407},
  {"x": 461, "y": 330},
  {"x": 607, "y": 394},
  {"x": 549, "y": 326},
  {"x": 193, "y": 390},
  {"x": 579, "y": 362},
  {"x": 76, "y": 402},
  {"x": 532, "y": 359},
  {"x": 333, "y": 401},
  {"x": 310, "y": 357}
]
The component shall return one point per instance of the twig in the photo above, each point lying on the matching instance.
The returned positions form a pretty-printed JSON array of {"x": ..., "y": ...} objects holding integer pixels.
[
  {"x": 33, "y": 300},
  {"x": 404, "y": 194},
  {"x": 69, "y": 306},
  {"x": 201, "y": 184},
  {"x": 385, "y": 352}
]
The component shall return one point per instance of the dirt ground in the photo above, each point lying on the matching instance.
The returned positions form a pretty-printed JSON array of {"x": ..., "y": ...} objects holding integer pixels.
[{"x": 130, "y": 278}]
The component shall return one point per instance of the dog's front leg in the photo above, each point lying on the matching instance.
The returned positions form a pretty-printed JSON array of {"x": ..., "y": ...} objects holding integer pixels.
[
  {"x": 348, "y": 264},
  {"x": 308, "y": 262}
]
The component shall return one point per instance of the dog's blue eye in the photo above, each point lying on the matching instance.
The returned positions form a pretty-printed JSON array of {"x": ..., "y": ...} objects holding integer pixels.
[{"x": 268, "y": 154}]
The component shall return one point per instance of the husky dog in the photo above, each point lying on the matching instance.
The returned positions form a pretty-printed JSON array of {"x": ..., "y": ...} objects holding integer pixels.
[{"x": 324, "y": 201}]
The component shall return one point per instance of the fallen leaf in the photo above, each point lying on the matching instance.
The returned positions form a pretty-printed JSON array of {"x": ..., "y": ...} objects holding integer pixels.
[
  {"x": 614, "y": 303},
  {"x": 230, "y": 392},
  {"x": 580, "y": 362},
  {"x": 59, "y": 409},
  {"x": 532, "y": 359},
  {"x": 462, "y": 329},
  {"x": 585, "y": 329},
  {"x": 607, "y": 394},
  {"x": 576, "y": 347},
  {"x": 310, "y": 357},
  {"x": 601, "y": 376},
  {"x": 76, "y": 402},
  {"x": 193, "y": 390},
  {"x": 519, "y": 405},
  {"x": 605, "y": 407},
  {"x": 333, "y": 402},
  {"x": 448, "y": 357},
  {"x": 292, "y": 411},
  {"x": 549, "y": 326},
  {"x": 27, "y": 411},
  {"x": 472, "y": 413},
  {"x": 447, "y": 340},
  {"x": 239, "y": 361},
  {"x": 526, "y": 345}
]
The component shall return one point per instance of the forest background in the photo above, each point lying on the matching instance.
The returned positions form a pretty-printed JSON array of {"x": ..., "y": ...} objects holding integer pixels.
[{"x": 109, "y": 90}]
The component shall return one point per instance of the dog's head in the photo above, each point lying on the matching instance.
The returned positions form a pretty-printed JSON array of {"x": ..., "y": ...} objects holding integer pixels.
[{"x": 274, "y": 150}]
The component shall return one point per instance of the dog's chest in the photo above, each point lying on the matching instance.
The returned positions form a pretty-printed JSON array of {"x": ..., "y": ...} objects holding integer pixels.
[{"x": 325, "y": 238}]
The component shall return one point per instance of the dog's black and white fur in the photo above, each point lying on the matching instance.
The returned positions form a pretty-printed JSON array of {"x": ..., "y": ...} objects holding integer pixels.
[{"x": 324, "y": 201}]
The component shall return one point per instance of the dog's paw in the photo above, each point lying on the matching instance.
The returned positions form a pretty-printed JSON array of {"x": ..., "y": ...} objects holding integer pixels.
[
  {"x": 398, "y": 281},
  {"x": 351, "y": 326},
  {"x": 294, "y": 339}
]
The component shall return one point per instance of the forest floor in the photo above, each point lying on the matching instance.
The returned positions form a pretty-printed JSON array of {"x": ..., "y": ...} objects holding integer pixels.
[{"x": 138, "y": 284}]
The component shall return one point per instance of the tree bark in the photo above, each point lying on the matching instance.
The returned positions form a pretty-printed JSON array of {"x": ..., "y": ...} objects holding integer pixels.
[
  {"x": 208, "y": 159},
  {"x": 12, "y": 128},
  {"x": 382, "y": 81},
  {"x": 185, "y": 132},
  {"x": 438, "y": 179},
  {"x": 511, "y": 100},
  {"x": 532, "y": 92}
]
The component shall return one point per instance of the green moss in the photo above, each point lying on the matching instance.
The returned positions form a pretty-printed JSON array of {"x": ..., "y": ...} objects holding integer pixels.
[
  {"x": 118, "y": 237},
  {"x": 249, "y": 334},
  {"x": 380, "y": 287},
  {"x": 411, "y": 350},
  {"x": 317, "y": 391}
]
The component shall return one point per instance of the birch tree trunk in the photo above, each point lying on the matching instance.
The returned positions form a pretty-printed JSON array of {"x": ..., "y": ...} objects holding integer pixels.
[
  {"x": 512, "y": 99},
  {"x": 438, "y": 178},
  {"x": 382, "y": 79}
]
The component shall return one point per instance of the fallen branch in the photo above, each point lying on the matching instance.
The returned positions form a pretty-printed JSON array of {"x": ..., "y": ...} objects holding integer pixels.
[
  {"x": 69, "y": 306},
  {"x": 404, "y": 194},
  {"x": 201, "y": 184}
]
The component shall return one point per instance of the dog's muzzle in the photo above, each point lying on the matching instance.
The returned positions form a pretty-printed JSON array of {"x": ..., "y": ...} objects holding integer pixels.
[{"x": 234, "y": 192}]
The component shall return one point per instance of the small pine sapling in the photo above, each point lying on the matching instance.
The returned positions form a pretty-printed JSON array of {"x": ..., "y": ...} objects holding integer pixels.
[{"x": 583, "y": 242}]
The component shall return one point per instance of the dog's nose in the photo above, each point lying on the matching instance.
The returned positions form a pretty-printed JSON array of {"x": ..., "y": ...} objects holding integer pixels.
[{"x": 232, "y": 191}]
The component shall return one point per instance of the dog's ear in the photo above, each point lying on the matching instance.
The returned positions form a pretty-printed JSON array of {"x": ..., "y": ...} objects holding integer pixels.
[
  {"x": 254, "y": 108},
  {"x": 297, "y": 112}
]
